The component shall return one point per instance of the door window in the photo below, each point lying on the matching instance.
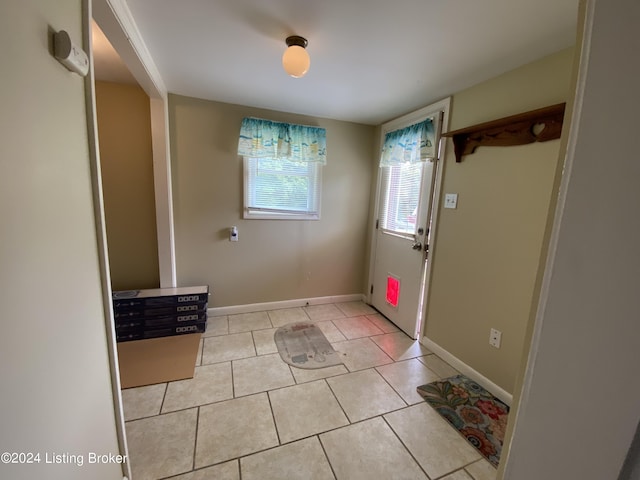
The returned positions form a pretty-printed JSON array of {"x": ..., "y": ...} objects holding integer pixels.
[{"x": 400, "y": 196}]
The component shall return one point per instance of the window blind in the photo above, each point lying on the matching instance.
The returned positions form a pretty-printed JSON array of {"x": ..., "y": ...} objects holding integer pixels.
[
  {"x": 401, "y": 193},
  {"x": 281, "y": 186}
]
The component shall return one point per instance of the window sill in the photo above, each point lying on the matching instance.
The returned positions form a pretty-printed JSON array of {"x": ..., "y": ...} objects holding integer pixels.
[{"x": 253, "y": 215}]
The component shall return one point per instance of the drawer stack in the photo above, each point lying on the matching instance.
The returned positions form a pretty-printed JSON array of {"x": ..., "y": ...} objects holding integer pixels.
[{"x": 159, "y": 312}]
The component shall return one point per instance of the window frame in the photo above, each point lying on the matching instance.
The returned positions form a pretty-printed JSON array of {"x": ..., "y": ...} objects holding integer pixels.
[{"x": 253, "y": 213}]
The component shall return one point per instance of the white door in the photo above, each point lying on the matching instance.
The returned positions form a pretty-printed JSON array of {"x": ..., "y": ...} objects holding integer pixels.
[{"x": 401, "y": 238}]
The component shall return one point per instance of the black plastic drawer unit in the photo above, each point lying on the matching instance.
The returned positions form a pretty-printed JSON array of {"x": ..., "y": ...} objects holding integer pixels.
[{"x": 159, "y": 312}]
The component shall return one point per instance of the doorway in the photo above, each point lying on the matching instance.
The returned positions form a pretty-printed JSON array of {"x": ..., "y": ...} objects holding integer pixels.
[
  {"x": 406, "y": 205},
  {"x": 114, "y": 19},
  {"x": 126, "y": 169}
]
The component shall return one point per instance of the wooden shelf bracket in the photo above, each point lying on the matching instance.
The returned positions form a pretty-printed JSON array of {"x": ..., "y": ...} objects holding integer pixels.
[{"x": 535, "y": 126}]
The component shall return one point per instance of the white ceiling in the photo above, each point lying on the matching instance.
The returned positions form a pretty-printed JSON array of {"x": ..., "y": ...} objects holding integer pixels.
[{"x": 371, "y": 60}]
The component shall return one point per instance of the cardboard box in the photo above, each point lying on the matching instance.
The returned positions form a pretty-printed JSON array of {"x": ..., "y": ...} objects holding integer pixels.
[{"x": 158, "y": 360}]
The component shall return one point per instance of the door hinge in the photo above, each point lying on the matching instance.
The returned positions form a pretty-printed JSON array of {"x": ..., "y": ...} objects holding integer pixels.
[
  {"x": 377, "y": 224},
  {"x": 371, "y": 288}
]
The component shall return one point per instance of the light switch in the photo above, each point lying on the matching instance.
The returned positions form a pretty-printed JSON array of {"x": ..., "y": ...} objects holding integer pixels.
[{"x": 450, "y": 200}]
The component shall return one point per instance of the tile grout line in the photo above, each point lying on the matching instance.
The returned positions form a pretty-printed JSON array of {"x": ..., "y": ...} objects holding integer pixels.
[
  {"x": 199, "y": 469},
  {"x": 290, "y": 442},
  {"x": 164, "y": 397},
  {"x": 440, "y": 377},
  {"x": 326, "y": 456},
  {"x": 316, "y": 435},
  {"x": 461, "y": 469},
  {"x": 378, "y": 346},
  {"x": 387, "y": 382},
  {"x": 219, "y": 334},
  {"x": 253, "y": 340},
  {"x": 308, "y": 436},
  {"x": 339, "y": 329},
  {"x": 325, "y": 379},
  {"x": 273, "y": 418},
  {"x": 341, "y": 407},
  {"x": 275, "y": 389},
  {"x": 405, "y": 447},
  {"x": 232, "y": 359},
  {"x": 233, "y": 384},
  {"x": 295, "y": 380},
  {"x": 286, "y": 386},
  {"x": 195, "y": 440},
  {"x": 367, "y": 321},
  {"x": 476, "y": 461}
]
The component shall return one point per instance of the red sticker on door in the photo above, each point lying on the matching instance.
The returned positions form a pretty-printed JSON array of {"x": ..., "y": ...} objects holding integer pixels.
[{"x": 393, "y": 290}]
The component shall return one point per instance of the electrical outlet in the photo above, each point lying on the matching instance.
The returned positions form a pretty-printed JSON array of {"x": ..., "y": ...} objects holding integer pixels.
[{"x": 495, "y": 337}]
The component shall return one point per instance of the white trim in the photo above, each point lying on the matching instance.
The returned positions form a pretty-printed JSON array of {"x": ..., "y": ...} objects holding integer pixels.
[
  {"x": 163, "y": 192},
  {"x": 444, "y": 106},
  {"x": 465, "y": 369},
  {"x": 413, "y": 117},
  {"x": 435, "y": 210},
  {"x": 101, "y": 239},
  {"x": 117, "y": 23},
  {"x": 300, "y": 302}
]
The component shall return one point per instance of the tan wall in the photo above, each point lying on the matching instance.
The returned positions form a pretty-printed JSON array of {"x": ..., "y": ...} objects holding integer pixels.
[
  {"x": 56, "y": 387},
  {"x": 124, "y": 129},
  {"x": 488, "y": 251},
  {"x": 274, "y": 259},
  {"x": 587, "y": 327}
]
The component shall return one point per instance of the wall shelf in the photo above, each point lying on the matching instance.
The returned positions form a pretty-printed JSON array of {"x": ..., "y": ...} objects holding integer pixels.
[{"x": 535, "y": 126}]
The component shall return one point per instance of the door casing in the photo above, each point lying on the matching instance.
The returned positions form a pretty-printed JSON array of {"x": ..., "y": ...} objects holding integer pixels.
[{"x": 408, "y": 119}]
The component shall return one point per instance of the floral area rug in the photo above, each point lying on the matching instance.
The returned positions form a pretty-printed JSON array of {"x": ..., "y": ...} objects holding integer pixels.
[{"x": 479, "y": 416}]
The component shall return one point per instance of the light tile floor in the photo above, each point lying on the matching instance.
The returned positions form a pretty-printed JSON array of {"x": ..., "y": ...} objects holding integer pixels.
[{"x": 246, "y": 414}]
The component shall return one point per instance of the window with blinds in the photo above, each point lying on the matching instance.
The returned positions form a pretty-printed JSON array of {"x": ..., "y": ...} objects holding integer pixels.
[
  {"x": 400, "y": 196},
  {"x": 281, "y": 189}
]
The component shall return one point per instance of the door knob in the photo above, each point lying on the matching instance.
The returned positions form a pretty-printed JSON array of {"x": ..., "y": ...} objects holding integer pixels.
[{"x": 417, "y": 246}]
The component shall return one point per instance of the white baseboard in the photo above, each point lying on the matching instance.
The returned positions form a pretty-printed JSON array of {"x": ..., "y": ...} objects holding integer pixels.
[
  {"x": 300, "y": 302},
  {"x": 465, "y": 369}
]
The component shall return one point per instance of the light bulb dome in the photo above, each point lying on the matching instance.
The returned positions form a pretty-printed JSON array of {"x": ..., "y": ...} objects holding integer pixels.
[{"x": 295, "y": 59}]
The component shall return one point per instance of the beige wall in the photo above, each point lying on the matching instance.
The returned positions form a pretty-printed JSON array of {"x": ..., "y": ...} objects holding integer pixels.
[
  {"x": 274, "y": 259},
  {"x": 488, "y": 251},
  {"x": 124, "y": 129},
  {"x": 56, "y": 387},
  {"x": 587, "y": 335}
]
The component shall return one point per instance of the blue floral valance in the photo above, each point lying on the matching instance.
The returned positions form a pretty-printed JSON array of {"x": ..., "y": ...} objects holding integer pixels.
[
  {"x": 298, "y": 143},
  {"x": 412, "y": 144}
]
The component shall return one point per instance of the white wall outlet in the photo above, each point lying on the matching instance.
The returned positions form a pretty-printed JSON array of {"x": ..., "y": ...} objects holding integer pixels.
[
  {"x": 450, "y": 200},
  {"x": 495, "y": 337}
]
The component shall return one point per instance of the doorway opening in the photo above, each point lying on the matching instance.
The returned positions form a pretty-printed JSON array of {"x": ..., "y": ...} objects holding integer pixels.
[
  {"x": 112, "y": 18},
  {"x": 405, "y": 211}
]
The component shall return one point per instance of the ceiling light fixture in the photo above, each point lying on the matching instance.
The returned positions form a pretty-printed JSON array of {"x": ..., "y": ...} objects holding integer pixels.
[{"x": 296, "y": 60}]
